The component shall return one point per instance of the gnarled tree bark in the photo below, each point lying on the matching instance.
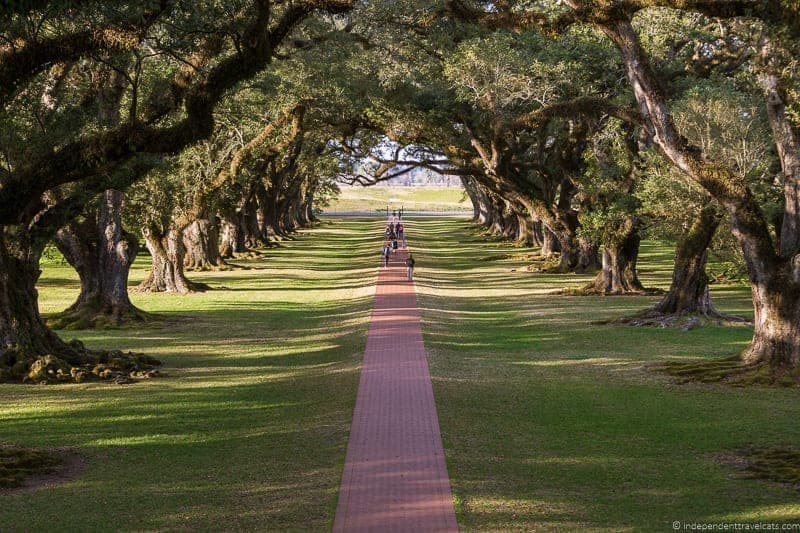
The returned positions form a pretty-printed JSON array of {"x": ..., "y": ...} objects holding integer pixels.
[{"x": 102, "y": 253}]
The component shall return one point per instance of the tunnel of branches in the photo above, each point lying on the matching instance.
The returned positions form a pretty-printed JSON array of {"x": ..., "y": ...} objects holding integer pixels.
[{"x": 206, "y": 131}]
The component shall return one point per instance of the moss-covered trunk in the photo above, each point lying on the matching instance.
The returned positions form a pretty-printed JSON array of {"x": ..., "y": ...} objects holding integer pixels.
[
  {"x": 618, "y": 273},
  {"x": 231, "y": 235},
  {"x": 549, "y": 242}
]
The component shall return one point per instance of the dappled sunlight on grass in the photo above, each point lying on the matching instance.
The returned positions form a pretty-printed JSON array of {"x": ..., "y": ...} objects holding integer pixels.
[
  {"x": 247, "y": 429},
  {"x": 766, "y": 513},
  {"x": 552, "y": 421},
  {"x": 595, "y": 361}
]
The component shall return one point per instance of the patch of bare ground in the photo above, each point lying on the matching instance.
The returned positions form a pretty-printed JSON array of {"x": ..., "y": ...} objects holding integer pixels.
[
  {"x": 730, "y": 371},
  {"x": 28, "y": 469},
  {"x": 778, "y": 464}
]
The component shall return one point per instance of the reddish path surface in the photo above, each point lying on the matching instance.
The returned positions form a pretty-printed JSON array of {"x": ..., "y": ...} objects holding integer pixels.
[{"x": 395, "y": 477}]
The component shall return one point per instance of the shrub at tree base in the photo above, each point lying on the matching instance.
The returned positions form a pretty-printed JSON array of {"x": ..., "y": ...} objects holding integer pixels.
[
  {"x": 17, "y": 464},
  {"x": 115, "y": 366}
]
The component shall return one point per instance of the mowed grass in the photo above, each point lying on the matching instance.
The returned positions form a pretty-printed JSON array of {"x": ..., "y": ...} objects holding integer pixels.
[
  {"x": 549, "y": 422},
  {"x": 368, "y": 199},
  {"x": 552, "y": 423},
  {"x": 247, "y": 430}
]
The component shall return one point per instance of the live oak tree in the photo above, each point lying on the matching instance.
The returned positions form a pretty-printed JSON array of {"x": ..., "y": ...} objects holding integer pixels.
[
  {"x": 732, "y": 127},
  {"x": 43, "y": 190},
  {"x": 772, "y": 264}
]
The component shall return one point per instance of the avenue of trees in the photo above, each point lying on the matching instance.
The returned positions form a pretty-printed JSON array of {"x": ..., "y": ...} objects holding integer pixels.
[{"x": 209, "y": 129}]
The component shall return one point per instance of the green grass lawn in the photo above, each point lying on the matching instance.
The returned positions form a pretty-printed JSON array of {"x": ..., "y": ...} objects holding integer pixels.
[
  {"x": 248, "y": 429},
  {"x": 552, "y": 423},
  {"x": 548, "y": 421},
  {"x": 368, "y": 199}
]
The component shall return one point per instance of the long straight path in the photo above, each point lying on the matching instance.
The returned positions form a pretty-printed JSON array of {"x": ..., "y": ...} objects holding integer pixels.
[{"x": 395, "y": 476}]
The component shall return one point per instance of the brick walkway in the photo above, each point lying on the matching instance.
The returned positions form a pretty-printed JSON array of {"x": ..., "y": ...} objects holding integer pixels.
[{"x": 395, "y": 477}]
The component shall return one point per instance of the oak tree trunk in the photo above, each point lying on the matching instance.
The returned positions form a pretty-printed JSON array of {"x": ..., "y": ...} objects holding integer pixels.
[
  {"x": 201, "y": 242},
  {"x": 29, "y": 350},
  {"x": 231, "y": 236},
  {"x": 588, "y": 256},
  {"x": 549, "y": 242},
  {"x": 689, "y": 293},
  {"x": 24, "y": 336},
  {"x": 166, "y": 273},
  {"x": 102, "y": 253}
]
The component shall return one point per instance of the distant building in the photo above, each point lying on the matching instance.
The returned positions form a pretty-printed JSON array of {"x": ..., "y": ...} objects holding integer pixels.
[{"x": 422, "y": 177}]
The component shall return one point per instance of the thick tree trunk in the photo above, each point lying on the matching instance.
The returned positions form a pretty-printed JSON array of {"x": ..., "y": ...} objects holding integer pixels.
[
  {"x": 166, "y": 273},
  {"x": 588, "y": 256},
  {"x": 23, "y": 333},
  {"x": 688, "y": 293},
  {"x": 618, "y": 274},
  {"x": 536, "y": 233},
  {"x": 29, "y": 350},
  {"x": 250, "y": 217},
  {"x": 231, "y": 236},
  {"x": 549, "y": 242},
  {"x": 568, "y": 250},
  {"x": 525, "y": 233},
  {"x": 102, "y": 253},
  {"x": 481, "y": 204},
  {"x": 776, "y": 334},
  {"x": 510, "y": 223},
  {"x": 201, "y": 242}
]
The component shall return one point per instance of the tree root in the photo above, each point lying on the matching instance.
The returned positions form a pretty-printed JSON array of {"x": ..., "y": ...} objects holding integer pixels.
[
  {"x": 730, "y": 371},
  {"x": 115, "y": 366},
  {"x": 684, "y": 321},
  {"x": 593, "y": 290},
  {"x": 97, "y": 317},
  {"x": 149, "y": 287},
  {"x": 224, "y": 267},
  {"x": 249, "y": 254}
]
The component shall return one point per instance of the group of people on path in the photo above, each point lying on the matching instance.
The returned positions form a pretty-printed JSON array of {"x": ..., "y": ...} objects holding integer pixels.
[{"x": 395, "y": 236}]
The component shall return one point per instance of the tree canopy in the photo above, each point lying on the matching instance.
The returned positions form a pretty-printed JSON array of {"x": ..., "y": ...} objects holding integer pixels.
[{"x": 574, "y": 125}]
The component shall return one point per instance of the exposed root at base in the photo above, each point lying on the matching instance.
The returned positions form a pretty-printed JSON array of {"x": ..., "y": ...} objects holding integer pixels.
[
  {"x": 730, "y": 371},
  {"x": 593, "y": 290},
  {"x": 224, "y": 267},
  {"x": 683, "y": 321},
  {"x": 79, "y": 366},
  {"x": 98, "y": 318},
  {"x": 193, "y": 286}
]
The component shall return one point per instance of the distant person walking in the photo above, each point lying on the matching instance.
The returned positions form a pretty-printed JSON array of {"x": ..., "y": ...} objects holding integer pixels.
[
  {"x": 385, "y": 253},
  {"x": 401, "y": 235},
  {"x": 410, "y": 267}
]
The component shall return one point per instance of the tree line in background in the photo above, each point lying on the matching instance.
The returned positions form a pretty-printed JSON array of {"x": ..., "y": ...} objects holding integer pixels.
[{"x": 212, "y": 128}]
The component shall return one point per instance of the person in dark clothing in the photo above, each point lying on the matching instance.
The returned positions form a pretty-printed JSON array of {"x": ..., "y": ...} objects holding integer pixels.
[
  {"x": 385, "y": 254},
  {"x": 410, "y": 267}
]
